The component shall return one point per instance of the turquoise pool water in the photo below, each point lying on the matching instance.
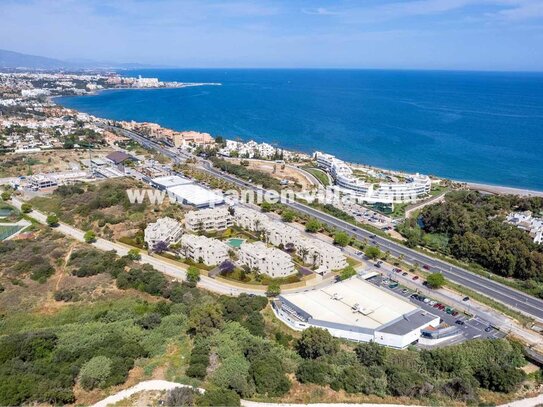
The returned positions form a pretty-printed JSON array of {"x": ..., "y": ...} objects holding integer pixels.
[{"x": 235, "y": 242}]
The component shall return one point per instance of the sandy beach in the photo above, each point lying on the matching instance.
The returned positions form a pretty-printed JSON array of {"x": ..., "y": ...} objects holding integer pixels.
[{"x": 494, "y": 189}]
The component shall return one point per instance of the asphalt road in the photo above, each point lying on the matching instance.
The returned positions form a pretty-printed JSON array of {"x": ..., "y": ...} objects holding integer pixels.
[{"x": 508, "y": 296}]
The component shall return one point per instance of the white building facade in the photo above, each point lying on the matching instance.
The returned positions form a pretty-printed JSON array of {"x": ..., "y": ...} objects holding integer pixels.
[
  {"x": 208, "y": 220},
  {"x": 202, "y": 249},
  {"x": 417, "y": 186},
  {"x": 165, "y": 230},
  {"x": 268, "y": 260}
]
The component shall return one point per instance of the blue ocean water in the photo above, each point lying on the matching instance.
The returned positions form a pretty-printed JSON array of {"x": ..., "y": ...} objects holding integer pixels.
[{"x": 472, "y": 126}]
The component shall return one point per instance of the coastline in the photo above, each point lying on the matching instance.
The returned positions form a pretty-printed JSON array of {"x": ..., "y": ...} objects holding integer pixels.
[{"x": 472, "y": 185}]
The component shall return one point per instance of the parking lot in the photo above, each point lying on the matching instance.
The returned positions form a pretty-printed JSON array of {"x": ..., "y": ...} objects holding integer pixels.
[{"x": 470, "y": 327}]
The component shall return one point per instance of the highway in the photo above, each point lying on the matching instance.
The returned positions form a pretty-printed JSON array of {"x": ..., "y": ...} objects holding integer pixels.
[{"x": 512, "y": 298}]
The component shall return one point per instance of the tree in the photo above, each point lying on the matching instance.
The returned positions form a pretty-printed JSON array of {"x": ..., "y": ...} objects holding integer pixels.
[
  {"x": 218, "y": 397},
  {"x": 193, "y": 274},
  {"x": 316, "y": 342},
  {"x": 370, "y": 354},
  {"x": 6, "y": 196},
  {"x": 89, "y": 236},
  {"x": 288, "y": 216},
  {"x": 26, "y": 208},
  {"x": 312, "y": 225},
  {"x": 435, "y": 280},
  {"x": 347, "y": 272},
  {"x": 226, "y": 267},
  {"x": 266, "y": 206},
  {"x": 95, "y": 372},
  {"x": 274, "y": 289},
  {"x": 372, "y": 252},
  {"x": 134, "y": 254},
  {"x": 342, "y": 239},
  {"x": 160, "y": 247},
  {"x": 268, "y": 375},
  {"x": 52, "y": 220},
  {"x": 181, "y": 396},
  {"x": 205, "y": 318}
]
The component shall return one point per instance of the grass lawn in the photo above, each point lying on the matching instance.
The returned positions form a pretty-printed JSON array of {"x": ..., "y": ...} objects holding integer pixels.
[{"x": 319, "y": 174}]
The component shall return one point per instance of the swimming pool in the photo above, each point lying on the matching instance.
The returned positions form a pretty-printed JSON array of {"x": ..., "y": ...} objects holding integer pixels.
[{"x": 235, "y": 242}]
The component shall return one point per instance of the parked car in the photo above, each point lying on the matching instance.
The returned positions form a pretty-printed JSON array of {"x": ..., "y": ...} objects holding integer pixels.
[
  {"x": 377, "y": 265},
  {"x": 460, "y": 322},
  {"x": 426, "y": 267},
  {"x": 416, "y": 278},
  {"x": 465, "y": 299},
  {"x": 488, "y": 329},
  {"x": 404, "y": 273}
]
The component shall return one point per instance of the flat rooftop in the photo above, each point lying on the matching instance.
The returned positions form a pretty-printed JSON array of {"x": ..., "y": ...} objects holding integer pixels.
[
  {"x": 170, "y": 181},
  {"x": 353, "y": 302},
  {"x": 195, "y": 195}
]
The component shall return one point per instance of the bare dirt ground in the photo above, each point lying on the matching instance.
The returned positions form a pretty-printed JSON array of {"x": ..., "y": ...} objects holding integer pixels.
[
  {"x": 15, "y": 165},
  {"x": 280, "y": 171}
]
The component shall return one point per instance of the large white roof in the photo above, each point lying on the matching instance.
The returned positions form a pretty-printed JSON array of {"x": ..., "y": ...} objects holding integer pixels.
[
  {"x": 169, "y": 181},
  {"x": 196, "y": 195},
  {"x": 352, "y": 302}
]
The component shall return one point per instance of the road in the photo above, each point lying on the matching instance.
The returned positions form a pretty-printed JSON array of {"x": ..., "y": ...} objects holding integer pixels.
[{"x": 512, "y": 298}]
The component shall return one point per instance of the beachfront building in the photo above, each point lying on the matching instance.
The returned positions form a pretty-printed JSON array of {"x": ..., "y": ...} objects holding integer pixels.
[
  {"x": 357, "y": 310},
  {"x": 414, "y": 187},
  {"x": 208, "y": 220},
  {"x": 526, "y": 221},
  {"x": 268, "y": 260},
  {"x": 203, "y": 249},
  {"x": 165, "y": 230}
]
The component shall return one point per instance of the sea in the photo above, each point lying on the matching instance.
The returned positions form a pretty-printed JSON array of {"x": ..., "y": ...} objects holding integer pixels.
[{"x": 484, "y": 127}]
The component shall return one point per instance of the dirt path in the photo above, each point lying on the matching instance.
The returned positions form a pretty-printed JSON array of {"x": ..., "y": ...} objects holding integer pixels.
[
  {"x": 64, "y": 265},
  {"x": 150, "y": 385}
]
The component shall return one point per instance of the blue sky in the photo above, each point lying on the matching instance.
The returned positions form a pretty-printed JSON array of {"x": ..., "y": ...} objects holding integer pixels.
[{"x": 429, "y": 34}]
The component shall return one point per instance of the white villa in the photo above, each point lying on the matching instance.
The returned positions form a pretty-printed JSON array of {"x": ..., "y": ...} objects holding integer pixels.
[
  {"x": 208, "y": 220},
  {"x": 525, "y": 221},
  {"x": 165, "y": 230},
  {"x": 209, "y": 251},
  {"x": 416, "y": 186},
  {"x": 268, "y": 260}
]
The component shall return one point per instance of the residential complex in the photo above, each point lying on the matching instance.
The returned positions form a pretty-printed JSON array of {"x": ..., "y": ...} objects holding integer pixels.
[
  {"x": 387, "y": 190},
  {"x": 268, "y": 260},
  {"x": 526, "y": 221},
  {"x": 324, "y": 256},
  {"x": 204, "y": 250},
  {"x": 208, "y": 220},
  {"x": 165, "y": 230},
  {"x": 356, "y": 310}
]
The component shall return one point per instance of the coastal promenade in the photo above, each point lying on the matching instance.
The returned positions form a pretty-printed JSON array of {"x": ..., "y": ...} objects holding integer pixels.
[{"x": 512, "y": 298}]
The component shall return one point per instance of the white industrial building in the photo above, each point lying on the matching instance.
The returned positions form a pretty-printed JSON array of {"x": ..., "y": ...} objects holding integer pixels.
[
  {"x": 268, "y": 260},
  {"x": 165, "y": 230},
  {"x": 184, "y": 191},
  {"x": 357, "y": 310},
  {"x": 208, "y": 220},
  {"x": 195, "y": 195},
  {"x": 415, "y": 187},
  {"x": 202, "y": 249}
]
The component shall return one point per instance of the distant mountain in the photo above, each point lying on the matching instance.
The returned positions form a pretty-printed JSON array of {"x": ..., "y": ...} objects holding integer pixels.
[
  {"x": 13, "y": 60},
  {"x": 10, "y": 59}
]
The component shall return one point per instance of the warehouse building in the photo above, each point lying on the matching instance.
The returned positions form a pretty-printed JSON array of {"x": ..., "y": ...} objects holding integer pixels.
[{"x": 356, "y": 310}]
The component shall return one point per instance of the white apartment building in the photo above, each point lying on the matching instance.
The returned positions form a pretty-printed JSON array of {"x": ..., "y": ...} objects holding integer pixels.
[
  {"x": 268, "y": 260},
  {"x": 249, "y": 219},
  {"x": 209, "y": 251},
  {"x": 208, "y": 220},
  {"x": 324, "y": 256},
  {"x": 165, "y": 230},
  {"x": 415, "y": 187}
]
